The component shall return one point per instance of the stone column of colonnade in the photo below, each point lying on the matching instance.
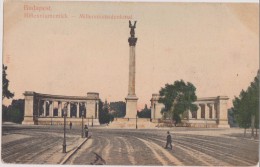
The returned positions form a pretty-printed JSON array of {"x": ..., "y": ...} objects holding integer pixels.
[
  {"x": 60, "y": 108},
  {"x": 44, "y": 108},
  {"x": 68, "y": 109},
  {"x": 208, "y": 107},
  {"x": 206, "y": 111},
  {"x": 199, "y": 112},
  {"x": 51, "y": 108},
  {"x": 97, "y": 110},
  {"x": 77, "y": 112},
  {"x": 211, "y": 107}
]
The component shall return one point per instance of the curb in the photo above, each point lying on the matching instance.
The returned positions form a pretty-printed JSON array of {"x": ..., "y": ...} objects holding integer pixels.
[{"x": 68, "y": 156}]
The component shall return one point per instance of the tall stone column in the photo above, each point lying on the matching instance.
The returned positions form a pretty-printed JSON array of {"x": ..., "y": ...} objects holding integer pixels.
[
  {"x": 131, "y": 99},
  {"x": 199, "y": 112}
]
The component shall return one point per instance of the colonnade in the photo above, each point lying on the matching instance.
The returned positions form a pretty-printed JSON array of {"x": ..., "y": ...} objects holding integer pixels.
[
  {"x": 39, "y": 107},
  {"x": 205, "y": 111},
  {"x": 75, "y": 109},
  {"x": 210, "y": 109}
]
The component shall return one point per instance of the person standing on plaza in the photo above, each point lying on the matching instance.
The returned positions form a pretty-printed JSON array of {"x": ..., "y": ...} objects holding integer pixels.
[
  {"x": 169, "y": 140},
  {"x": 86, "y": 131},
  {"x": 70, "y": 125}
]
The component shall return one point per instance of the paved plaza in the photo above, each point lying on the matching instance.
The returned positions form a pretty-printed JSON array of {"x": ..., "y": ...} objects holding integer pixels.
[{"x": 192, "y": 146}]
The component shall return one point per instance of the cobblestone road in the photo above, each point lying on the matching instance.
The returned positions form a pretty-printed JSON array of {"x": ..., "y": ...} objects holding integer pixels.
[{"x": 130, "y": 147}]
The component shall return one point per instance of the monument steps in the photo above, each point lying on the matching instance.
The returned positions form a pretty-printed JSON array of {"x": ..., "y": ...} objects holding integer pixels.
[{"x": 128, "y": 123}]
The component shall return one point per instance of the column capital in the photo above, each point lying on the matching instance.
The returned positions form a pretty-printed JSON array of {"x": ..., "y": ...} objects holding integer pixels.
[{"x": 210, "y": 104}]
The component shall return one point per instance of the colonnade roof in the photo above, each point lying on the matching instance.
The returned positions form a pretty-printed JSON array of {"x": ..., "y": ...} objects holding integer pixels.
[
  {"x": 62, "y": 97},
  {"x": 199, "y": 99}
]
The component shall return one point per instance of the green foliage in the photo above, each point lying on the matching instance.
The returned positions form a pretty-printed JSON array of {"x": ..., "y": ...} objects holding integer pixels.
[
  {"x": 247, "y": 105},
  {"x": 14, "y": 112},
  {"x": 119, "y": 107},
  {"x": 144, "y": 113},
  {"x": 4, "y": 113},
  {"x": 231, "y": 118},
  {"x": 178, "y": 98},
  {"x": 6, "y": 93},
  {"x": 104, "y": 116}
]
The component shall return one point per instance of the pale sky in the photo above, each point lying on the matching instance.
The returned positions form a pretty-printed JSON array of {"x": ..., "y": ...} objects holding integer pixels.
[{"x": 215, "y": 46}]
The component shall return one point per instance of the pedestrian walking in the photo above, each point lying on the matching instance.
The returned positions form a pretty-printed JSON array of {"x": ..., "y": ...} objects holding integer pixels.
[
  {"x": 86, "y": 130},
  {"x": 70, "y": 125},
  {"x": 169, "y": 140}
]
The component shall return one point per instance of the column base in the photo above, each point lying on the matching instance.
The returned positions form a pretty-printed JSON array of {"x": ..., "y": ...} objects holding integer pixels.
[
  {"x": 131, "y": 106},
  {"x": 223, "y": 124},
  {"x": 28, "y": 121}
]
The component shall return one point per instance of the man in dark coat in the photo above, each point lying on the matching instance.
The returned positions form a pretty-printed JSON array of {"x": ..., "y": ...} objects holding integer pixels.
[
  {"x": 169, "y": 140},
  {"x": 86, "y": 130}
]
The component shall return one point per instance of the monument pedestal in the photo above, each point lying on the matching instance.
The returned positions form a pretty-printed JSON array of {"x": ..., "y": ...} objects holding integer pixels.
[{"x": 131, "y": 106}]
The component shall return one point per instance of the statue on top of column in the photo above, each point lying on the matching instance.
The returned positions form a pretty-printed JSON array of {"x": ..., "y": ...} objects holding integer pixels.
[
  {"x": 132, "y": 32},
  {"x": 132, "y": 40}
]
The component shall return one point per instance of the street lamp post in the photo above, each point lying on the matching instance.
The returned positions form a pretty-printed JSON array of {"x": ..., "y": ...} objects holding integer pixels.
[
  {"x": 82, "y": 131},
  {"x": 136, "y": 122},
  {"x": 92, "y": 120},
  {"x": 64, "y": 139}
]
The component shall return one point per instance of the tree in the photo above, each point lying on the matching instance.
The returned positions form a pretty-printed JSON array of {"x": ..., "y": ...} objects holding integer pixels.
[
  {"x": 242, "y": 118},
  {"x": 6, "y": 93},
  {"x": 178, "y": 98},
  {"x": 119, "y": 107},
  {"x": 104, "y": 116},
  {"x": 231, "y": 118},
  {"x": 144, "y": 113},
  {"x": 246, "y": 107},
  {"x": 4, "y": 113},
  {"x": 14, "y": 112}
]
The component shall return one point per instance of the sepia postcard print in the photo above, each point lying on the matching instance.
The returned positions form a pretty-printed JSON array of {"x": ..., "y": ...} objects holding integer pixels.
[{"x": 130, "y": 83}]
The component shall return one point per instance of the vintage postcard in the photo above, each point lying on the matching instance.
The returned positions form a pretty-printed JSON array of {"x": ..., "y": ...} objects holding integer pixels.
[{"x": 130, "y": 83}]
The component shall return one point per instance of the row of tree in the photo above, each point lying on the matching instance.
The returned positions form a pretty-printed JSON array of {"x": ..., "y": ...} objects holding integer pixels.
[
  {"x": 13, "y": 112},
  {"x": 246, "y": 107},
  {"x": 144, "y": 113}
]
